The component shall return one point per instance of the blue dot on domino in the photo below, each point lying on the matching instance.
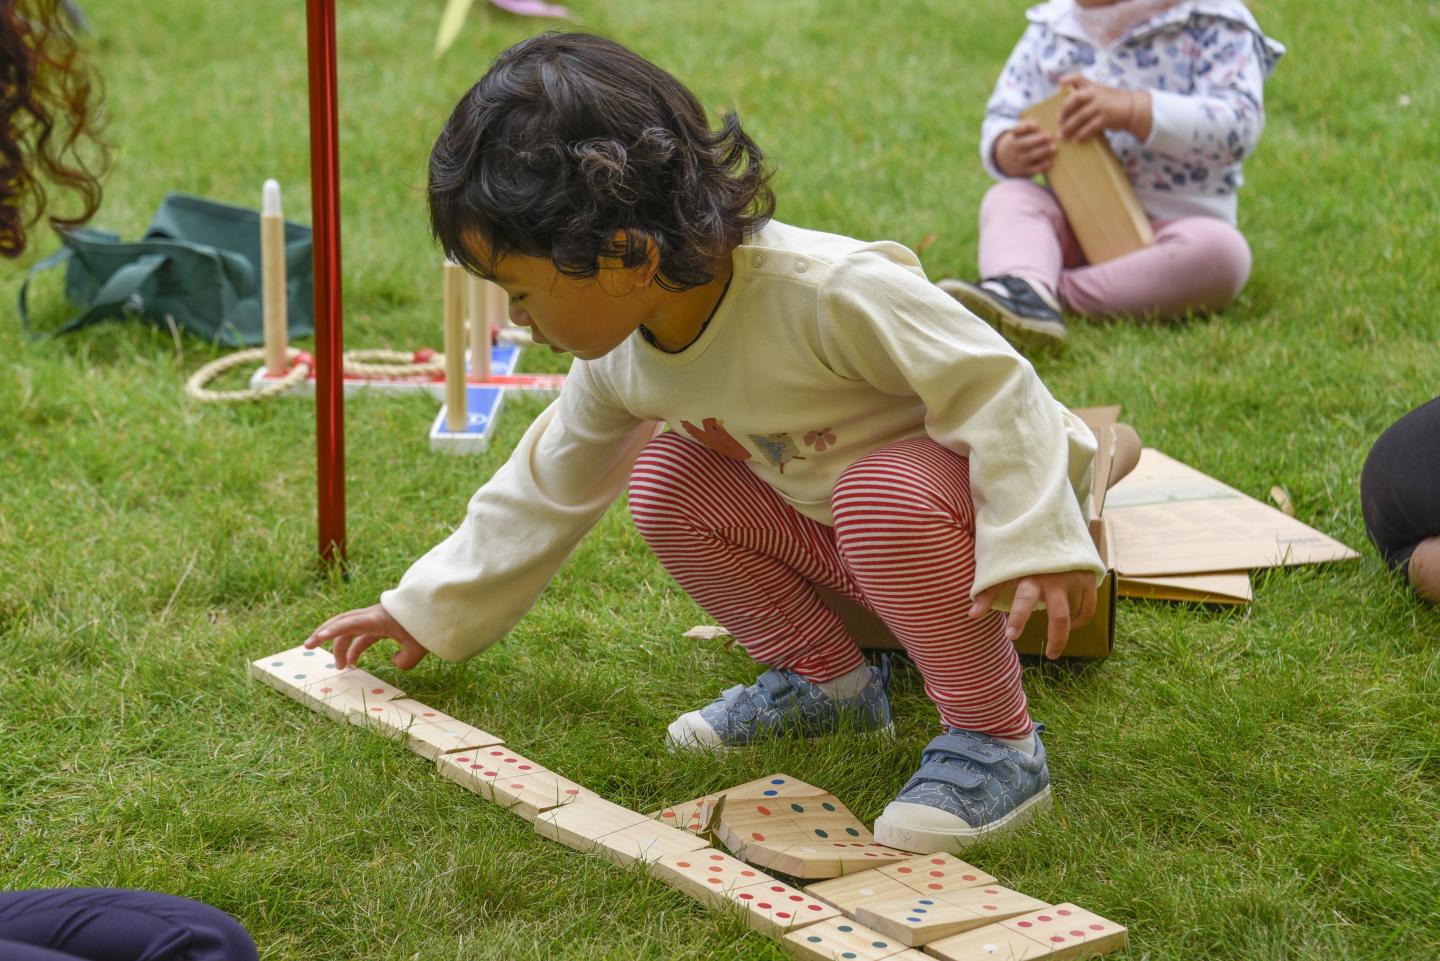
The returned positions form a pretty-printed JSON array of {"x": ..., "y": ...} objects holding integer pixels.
[
  {"x": 844, "y": 927},
  {"x": 813, "y": 939},
  {"x": 771, "y": 793},
  {"x": 778, "y": 780}
]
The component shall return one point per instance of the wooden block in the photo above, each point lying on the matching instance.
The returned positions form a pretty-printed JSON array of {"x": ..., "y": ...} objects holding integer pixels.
[
  {"x": 937, "y": 873},
  {"x": 819, "y": 859},
  {"x": 1054, "y": 934},
  {"x": 477, "y": 770},
  {"x": 1071, "y": 930},
  {"x": 1091, "y": 186},
  {"x": 530, "y": 794},
  {"x": 774, "y": 786},
  {"x": 774, "y": 908},
  {"x": 349, "y": 691},
  {"x": 920, "y": 919},
  {"x": 448, "y": 737},
  {"x": 290, "y": 671},
  {"x": 684, "y": 816},
  {"x": 582, "y": 824},
  {"x": 707, "y": 875},
  {"x": 644, "y": 841},
  {"x": 843, "y": 938},
  {"x": 990, "y": 943},
  {"x": 385, "y": 717},
  {"x": 850, "y": 891}
]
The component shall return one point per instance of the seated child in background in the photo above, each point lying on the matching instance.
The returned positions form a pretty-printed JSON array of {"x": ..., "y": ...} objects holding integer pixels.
[
  {"x": 835, "y": 420},
  {"x": 1176, "y": 87},
  {"x": 1400, "y": 497}
]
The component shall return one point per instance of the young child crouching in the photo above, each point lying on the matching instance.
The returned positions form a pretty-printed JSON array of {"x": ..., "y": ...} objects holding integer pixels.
[{"x": 834, "y": 420}]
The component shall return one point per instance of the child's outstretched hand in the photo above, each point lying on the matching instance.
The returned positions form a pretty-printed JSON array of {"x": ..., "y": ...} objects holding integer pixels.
[
  {"x": 1024, "y": 150},
  {"x": 1092, "y": 108},
  {"x": 354, "y": 631},
  {"x": 1069, "y": 598}
]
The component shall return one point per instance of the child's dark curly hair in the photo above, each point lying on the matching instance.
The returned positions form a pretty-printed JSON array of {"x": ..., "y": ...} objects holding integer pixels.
[
  {"x": 47, "y": 122},
  {"x": 573, "y": 148}
]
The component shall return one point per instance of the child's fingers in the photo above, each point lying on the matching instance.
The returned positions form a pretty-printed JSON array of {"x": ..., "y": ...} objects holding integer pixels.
[
  {"x": 359, "y": 645},
  {"x": 985, "y": 600},
  {"x": 1057, "y": 610},
  {"x": 1027, "y": 595},
  {"x": 410, "y": 654}
]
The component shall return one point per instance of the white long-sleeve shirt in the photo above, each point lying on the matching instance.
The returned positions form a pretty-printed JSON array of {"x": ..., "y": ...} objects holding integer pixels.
[
  {"x": 1204, "y": 63},
  {"x": 823, "y": 350}
]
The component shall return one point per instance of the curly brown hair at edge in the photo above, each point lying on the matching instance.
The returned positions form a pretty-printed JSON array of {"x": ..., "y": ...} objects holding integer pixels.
[
  {"x": 573, "y": 148},
  {"x": 49, "y": 121}
]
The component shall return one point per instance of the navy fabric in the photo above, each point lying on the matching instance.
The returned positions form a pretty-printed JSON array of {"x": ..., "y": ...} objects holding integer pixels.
[
  {"x": 112, "y": 924},
  {"x": 1400, "y": 485}
]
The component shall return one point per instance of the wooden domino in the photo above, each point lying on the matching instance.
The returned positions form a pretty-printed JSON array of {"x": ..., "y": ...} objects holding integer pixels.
[
  {"x": 1093, "y": 190},
  {"x": 774, "y": 908},
  {"x": 290, "y": 671},
  {"x": 478, "y": 770},
  {"x": 434, "y": 733},
  {"x": 822, "y": 859},
  {"x": 840, "y": 938},
  {"x": 706, "y": 875},
  {"x": 530, "y": 794},
  {"x": 349, "y": 692},
  {"x": 850, "y": 891},
  {"x": 645, "y": 841},
  {"x": 937, "y": 873},
  {"x": 920, "y": 918},
  {"x": 684, "y": 816},
  {"x": 582, "y": 824},
  {"x": 1054, "y": 934},
  {"x": 774, "y": 786}
]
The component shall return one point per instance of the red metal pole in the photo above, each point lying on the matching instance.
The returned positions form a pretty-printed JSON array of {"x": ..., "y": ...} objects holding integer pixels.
[{"x": 325, "y": 201}]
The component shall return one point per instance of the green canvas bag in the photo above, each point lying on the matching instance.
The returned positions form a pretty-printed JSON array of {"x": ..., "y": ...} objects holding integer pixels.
[{"x": 198, "y": 267}]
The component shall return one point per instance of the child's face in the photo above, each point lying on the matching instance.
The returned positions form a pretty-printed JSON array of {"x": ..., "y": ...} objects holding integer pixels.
[{"x": 587, "y": 318}]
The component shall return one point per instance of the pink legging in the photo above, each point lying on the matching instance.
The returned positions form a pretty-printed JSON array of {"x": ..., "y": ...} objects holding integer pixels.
[
  {"x": 903, "y": 545},
  {"x": 1196, "y": 263}
]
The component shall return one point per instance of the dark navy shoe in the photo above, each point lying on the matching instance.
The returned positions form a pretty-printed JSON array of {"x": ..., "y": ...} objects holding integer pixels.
[
  {"x": 969, "y": 787},
  {"x": 1027, "y": 317},
  {"x": 780, "y": 703}
]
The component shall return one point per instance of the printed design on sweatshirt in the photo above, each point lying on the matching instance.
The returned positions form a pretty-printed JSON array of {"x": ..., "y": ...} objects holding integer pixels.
[
  {"x": 820, "y": 439},
  {"x": 713, "y": 435},
  {"x": 779, "y": 449}
]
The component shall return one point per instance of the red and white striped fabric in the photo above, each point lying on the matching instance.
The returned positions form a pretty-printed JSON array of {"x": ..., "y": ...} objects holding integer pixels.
[{"x": 902, "y": 545}]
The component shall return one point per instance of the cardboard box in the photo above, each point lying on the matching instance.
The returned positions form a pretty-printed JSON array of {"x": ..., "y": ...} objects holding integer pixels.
[{"x": 1099, "y": 202}]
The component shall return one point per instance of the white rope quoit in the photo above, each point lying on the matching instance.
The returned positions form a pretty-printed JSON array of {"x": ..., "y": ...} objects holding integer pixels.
[
  {"x": 196, "y": 390},
  {"x": 392, "y": 365}
]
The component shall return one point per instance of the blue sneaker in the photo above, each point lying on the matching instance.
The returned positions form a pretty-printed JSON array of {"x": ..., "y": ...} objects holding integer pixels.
[
  {"x": 782, "y": 702},
  {"x": 969, "y": 787}
]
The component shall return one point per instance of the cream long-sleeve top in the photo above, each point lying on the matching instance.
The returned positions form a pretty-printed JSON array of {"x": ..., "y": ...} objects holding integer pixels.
[{"x": 823, "y": 350}]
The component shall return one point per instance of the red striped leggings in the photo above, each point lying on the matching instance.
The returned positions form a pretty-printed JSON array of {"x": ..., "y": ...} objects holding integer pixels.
[{"x": 903, "y": 545}]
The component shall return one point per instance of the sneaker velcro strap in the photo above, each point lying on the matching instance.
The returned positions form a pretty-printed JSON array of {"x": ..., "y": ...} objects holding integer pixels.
[
  {"x": 774, "y": 684},
  {"x": 956, "y": 775},
  {"x": 965, "y": 747}
]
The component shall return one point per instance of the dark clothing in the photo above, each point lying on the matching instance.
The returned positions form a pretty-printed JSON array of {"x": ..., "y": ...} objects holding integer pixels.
[
  {"x": 1400, "y": 485},
  {"x": 109, "y": 924}
]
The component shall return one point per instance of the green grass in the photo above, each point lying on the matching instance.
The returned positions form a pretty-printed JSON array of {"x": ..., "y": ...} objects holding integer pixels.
[{"x": 1243, "y": 784}]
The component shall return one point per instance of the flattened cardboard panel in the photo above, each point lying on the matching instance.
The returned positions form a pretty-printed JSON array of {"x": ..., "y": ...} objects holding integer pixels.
[{"x": 1167, "y": 518}]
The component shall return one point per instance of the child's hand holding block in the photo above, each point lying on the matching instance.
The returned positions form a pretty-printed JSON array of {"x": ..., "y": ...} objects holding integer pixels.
[{"x": 1093, "y": 190}]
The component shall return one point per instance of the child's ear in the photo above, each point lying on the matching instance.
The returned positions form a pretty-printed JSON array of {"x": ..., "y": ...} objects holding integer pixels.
[{"x": 643, "y": 274}]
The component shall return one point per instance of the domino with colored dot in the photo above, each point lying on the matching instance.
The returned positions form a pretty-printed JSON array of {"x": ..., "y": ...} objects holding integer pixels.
[
  {"x": 290, "y": 671},
  {"x": 1054, "y": 934},
  {"x": 840, "y": 939},
  {"x": 350, "y": 692},
  {"x": 919, "y": 919},
  {"x": 478, "y": 770},
  {"x": 531, "y": 794},
  {"x": 927, "y": 874},
  {"x": 594, "y": 825},
  {"x": 435, "y": 733},
  {"x": 690, "y": 815},
  {"x": 801, "y": 836},
  {"x": 719, "y": 880}
]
